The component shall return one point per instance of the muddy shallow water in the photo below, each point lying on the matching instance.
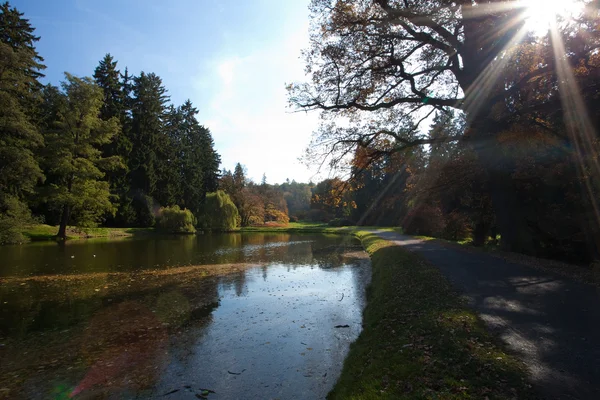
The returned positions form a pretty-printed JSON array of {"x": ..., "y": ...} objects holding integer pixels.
[{"x": 239, "y": 316}]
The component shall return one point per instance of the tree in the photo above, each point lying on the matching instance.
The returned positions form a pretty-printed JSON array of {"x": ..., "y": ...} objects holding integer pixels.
[
  {"x": 115, "y": 104},
  {"x": 20, "y": 67},
  {"x": 147, "y": 126},
  {"x": 73, "y": 159},
  {"x": 218, "y": 213},
  {"x": 297, "y": 197},
  {"x": 385, "y": 66},
  {"x": 199, "y": 160},
  {"x": 169, "y": 157},
  {"x": 175, "y": 220}
]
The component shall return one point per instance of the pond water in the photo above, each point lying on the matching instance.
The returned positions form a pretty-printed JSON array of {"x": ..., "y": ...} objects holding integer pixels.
[{"x": 227, "y": 316}]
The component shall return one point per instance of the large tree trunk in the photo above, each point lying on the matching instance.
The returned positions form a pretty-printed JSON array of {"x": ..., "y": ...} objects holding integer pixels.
[{"x": 64, "y": 220}]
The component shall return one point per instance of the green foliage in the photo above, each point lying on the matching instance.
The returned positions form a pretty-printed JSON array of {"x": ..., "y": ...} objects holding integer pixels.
[
  {"x": 14, "y": 214},
  {"x": 110, "y": 149},
  {"x": 148, "y": 109},
  {"x": 219, "y": 213},
  {"x": 72, "y": 157},
  {"x": 144, "y": 209},
  {"x": 115, "y": 105},
  {"x": 175, "y": 220},
  {"x": 20, "y": 67}
]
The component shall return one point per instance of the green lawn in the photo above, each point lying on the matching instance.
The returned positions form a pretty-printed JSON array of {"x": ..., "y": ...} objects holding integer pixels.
[
  {"x": 420, "y": 341},
  {"x": 311, "y": 227},
  {"x": 48, "y": 232}
]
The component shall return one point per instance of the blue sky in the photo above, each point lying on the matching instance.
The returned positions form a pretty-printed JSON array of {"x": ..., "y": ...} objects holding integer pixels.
[{"x": 232, "y": 58}]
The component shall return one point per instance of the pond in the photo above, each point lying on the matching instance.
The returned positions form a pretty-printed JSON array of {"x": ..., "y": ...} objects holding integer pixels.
[{"x": 223, "y": 316}]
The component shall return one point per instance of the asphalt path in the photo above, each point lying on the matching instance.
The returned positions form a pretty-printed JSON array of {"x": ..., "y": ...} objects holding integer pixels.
[{"x": 550, "y": 322}]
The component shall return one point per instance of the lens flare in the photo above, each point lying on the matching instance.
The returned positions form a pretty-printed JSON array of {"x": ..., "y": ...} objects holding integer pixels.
[{"x": 541, "y": 14}]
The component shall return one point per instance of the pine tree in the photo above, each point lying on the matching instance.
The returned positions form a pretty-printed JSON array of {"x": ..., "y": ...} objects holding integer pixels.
[
  {"x": 116, "y": 101},
  {"x": 199, "y": 161},
  {"x": 72, "y": 155},
  {"x": 20, "y": 67},
  {"x": 211, "y": 161},
  {"x": 147, "y": 124},
  {"x": 169, "y": 153}
]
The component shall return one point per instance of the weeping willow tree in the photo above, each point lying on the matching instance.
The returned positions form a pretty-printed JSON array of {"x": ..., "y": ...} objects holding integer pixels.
[{"x": 219, "y": 213}]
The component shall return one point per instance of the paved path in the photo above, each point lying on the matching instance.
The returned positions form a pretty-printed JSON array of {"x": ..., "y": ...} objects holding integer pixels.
[{"x": 553, "y": 323}]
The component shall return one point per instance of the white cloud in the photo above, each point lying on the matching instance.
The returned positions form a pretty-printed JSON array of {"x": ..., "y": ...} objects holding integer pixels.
[{"x": 247, "y": 111}]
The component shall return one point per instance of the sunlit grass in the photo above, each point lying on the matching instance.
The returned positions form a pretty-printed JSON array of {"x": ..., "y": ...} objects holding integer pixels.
[
  {"x": 48, "y": 232},
  {"x": 420, "y": 340}
]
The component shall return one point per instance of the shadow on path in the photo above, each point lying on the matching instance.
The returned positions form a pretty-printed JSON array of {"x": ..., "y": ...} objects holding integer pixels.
[{"x": 552, "y": 323}]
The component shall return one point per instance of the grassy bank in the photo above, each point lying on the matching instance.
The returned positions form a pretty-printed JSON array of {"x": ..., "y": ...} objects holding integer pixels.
[
  {"x": 312, "y": 227},
  {"x": 420, "y": 340},
  {"x": 48, "y": 232}
]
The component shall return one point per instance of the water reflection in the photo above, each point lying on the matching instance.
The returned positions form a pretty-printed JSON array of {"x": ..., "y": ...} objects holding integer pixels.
[
  {"x": 257, "y": 322},
  {"x": 127, "y": 254}
]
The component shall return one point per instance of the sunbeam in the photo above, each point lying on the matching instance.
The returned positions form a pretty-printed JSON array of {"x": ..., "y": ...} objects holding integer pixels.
[
  {"x": 541, "y": 15},
  {"x": 577, "y": 121}
]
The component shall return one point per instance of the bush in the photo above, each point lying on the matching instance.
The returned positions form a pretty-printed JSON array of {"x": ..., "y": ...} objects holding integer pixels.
[
  {"x": 13, "y": 216},
  {"x": 293, "y": 218},
  {"x": 457, "y": 227},
  {"x": 274, "y": 215},
  {"x": 341, "y": 222},
  {"x": 424, "y": 220},
  {"x": 175, "y": 220},
  {"x": 219, "y": 213}
]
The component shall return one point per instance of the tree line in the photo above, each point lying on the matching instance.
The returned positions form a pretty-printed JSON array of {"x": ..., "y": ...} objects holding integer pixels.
[
  {"x": 107, "y": 149},
  {"x": 262, "y": 203},
  {"x": 454, "y": 120}
]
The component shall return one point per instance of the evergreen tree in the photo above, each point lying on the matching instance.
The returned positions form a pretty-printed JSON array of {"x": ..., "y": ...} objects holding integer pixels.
[
  {"x": 73, "y": 158},
  {"x": 199, "y": 161},
  {"x": 210, "y": 160},
  {"x": 169, "y": 152},
  {"x": 108, "y": 78},
  {"x": 17, "y": 32},
  {"x": 147, "y": 124},
  {"x": 20, "y": 67}
]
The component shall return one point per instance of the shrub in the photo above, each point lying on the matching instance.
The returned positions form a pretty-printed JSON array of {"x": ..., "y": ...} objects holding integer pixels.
[
  {"x": 341, "y": 222},
  {"x": 457, "y": 226},
  {"x": 13, "y": 216},
  {"x": 175, "y": 220},
  {"x": 273, "y": 214},
  {"x": 293, "y": 218},
  {"x": 424, "y": 220},
  {"x": 219, "y": 213}
]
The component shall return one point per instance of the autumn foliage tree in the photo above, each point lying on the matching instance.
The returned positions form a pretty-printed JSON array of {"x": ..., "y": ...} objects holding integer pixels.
[{"x": 378, "y": 70}]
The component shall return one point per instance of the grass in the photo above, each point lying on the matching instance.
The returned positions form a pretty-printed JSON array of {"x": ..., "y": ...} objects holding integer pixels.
[
  {"x": 312, "y": 227},
  {"x": 48, "y": 232},
  {"x": 420, "y": 340}
]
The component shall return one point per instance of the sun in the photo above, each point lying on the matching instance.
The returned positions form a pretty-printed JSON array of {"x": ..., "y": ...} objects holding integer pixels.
[{"x": 541, "y": 14}]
